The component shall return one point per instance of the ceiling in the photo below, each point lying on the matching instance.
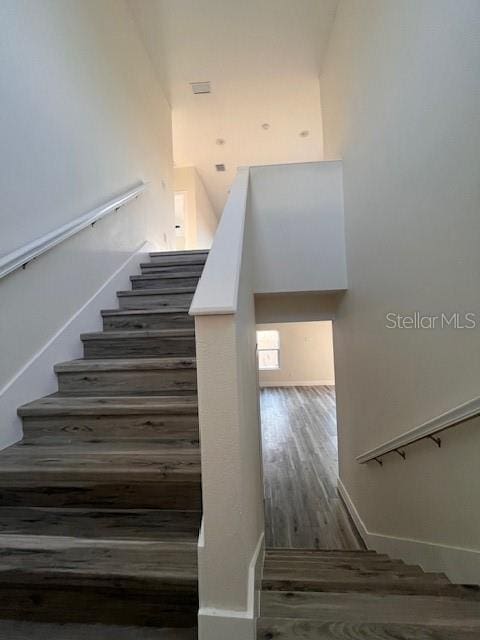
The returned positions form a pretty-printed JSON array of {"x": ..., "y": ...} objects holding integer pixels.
[{"x": 262, "y": 58}]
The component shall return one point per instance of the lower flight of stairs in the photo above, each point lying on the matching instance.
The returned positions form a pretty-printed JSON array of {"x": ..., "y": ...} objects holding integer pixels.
[
  {"x": 100, "y": 504},
  {"x": 361, "y": 595}
]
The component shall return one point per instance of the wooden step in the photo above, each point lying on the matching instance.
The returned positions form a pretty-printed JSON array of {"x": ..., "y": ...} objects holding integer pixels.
[
  {"x": 129, "y": 376},
  {"x": 371, "y": 608},
  {"x": 108, "y": 581},
  {"x": 307, "y": 629},
  {"x": 187, "y": 267},
  {"x": 170, "y": 420},
  {"x": 141, "y": 477},
  {"x": 22, "y": 630},
  {"x": 179, "y": 257},
  {"x": 389, "y": 583},
  {"x": 150, "y": 319},
  {"x": 180, "y": 252},
  {"x": 111, "y": 524},
  {"x": 165, "y": 281},
  {"x": 316, "y": 564},
  {"x": 273, "y": 552},
  {"x": 156, "y": 298},
  {"x": 139, "y": 344}
]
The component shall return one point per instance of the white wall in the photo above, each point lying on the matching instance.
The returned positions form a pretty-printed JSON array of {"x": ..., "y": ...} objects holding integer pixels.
[
  {"x": 83, "y": 118},
  {"x": 401, "y": 104},
  {"x": 297, "y": 226},
  {"x": 306, "y": 355},
  {"x": 200, "y": 219},
  {"x": 296, "y": 307},
  {"x": 262, "y": 60}
]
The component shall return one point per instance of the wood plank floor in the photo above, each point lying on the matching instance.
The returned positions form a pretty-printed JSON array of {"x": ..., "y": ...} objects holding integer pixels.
[{"x": 299, "y": 434}]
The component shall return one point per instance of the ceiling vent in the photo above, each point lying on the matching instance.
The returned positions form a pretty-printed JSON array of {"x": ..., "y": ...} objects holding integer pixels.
[
  {"x": 220, "y": 167},
  {"x": 200, "y": 87}
]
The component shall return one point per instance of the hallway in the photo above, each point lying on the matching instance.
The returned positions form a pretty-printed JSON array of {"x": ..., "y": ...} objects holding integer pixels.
[{"x": 299, "y": 435}]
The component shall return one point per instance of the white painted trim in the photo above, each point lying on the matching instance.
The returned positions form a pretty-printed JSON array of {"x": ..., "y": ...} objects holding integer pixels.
[
  {"x": 28, "y": 252},
  {"x": 217, "y": 290},
  {"x": 458, "y": 414},
  {"x": 460, "y": 564},
  {"x": 37, "y": 378},
  {"x": 201, "y": 537},
  {"x": 297, "y": 383},
  {"x": 218, "y": 624}
]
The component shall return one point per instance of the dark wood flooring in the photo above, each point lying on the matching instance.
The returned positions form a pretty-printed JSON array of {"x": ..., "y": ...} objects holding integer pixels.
[{"x": 299, "y": 434}]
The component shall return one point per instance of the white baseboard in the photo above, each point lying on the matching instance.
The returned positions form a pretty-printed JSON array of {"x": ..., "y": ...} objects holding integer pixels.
[
  {"x": 219, "y": 624},
  {"x": 297, "y": 383},
  {"x": 459, "y": 564},
  {"x": 37, "y": 378}
]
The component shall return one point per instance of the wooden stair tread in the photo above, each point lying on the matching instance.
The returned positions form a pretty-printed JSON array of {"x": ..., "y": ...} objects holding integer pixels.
[
  {"x": 290, "y": 552},
  {"x": 155, "y": 292},
  {"x": 114, "y": 405},
  {"x": 173, "y": 266},
  {"x": 21, "y": 630},
  {"x": 373, "y": 608},
  {"x": 277, "y": 628},
  {"x": 187, "y": 252},
  {"x": 167, "y": 276},
  {"x": 143, "y": 312},
  {"x": 126, "y": 364},
  {"x": 390, "y": 583},
  {"x": 141, "y": 333},
  {"x": 356, "y": 569},
  {"x": 112, "y": 524},
  {"x": 141, "y": 462},
  {"x": 97, "y": 560}
]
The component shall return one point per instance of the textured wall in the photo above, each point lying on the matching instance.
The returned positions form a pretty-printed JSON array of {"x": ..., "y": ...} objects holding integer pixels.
[{"x": 401, "y": 104}]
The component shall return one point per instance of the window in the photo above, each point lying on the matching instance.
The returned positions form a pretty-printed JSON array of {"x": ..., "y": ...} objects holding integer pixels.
[{"x": 268, "y": 343}]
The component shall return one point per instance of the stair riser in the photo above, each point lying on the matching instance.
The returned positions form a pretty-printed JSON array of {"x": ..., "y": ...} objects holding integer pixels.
[
  {"x": 74, "y": 494},
  {"x": 62, "y": 603},
  {"x": 150, "y": 322},
  {"x": 181, "y": 429},
  {"x": 115, "y": 383},
  {"x": 169, "y": 269},
  {"x": 197, "y": 259},
  {"x": 163, "y": 283},
  {"x": 177, "y": 300},
  {"x": 145, "y": 347}
]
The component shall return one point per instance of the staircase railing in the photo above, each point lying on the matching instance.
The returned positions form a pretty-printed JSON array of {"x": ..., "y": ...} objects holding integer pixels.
[
  {"x": 428, "y": 430},
  {"x": 230, "y": 553},
  {"x": 22, "y": 256}
]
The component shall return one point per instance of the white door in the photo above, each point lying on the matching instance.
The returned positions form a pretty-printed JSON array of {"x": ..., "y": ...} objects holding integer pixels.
[{"x": 180, "y": 220}]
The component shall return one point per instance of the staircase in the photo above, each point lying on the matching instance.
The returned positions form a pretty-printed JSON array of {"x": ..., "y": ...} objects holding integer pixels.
[
  {"x": 100, "y": 504},
  {"x": 361, "y": 595}
]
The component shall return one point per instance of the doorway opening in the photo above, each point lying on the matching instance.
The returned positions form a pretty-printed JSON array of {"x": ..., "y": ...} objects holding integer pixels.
[
  {"x": 299, "y": 438},
  {"x": 180, "y": 206}
]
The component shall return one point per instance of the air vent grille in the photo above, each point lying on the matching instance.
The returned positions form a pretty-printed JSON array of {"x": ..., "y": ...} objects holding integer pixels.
[
  {"x": 200, "y": 87},
  {"x": 220, "y": 167}
]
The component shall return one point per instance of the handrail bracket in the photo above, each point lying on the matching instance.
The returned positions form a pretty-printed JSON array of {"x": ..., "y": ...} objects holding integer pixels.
[{"x": 438, "y": 441}]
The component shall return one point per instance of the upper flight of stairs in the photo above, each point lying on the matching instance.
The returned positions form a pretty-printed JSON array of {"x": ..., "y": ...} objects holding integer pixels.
[
  {"x": 100, "y": 503},
  {"x": 361, "y": 595}
]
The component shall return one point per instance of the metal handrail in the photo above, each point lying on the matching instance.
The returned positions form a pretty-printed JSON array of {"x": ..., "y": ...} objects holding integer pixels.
[
  {"x": 428, "y": 430},
  {"x": 22, "y": 256}
]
